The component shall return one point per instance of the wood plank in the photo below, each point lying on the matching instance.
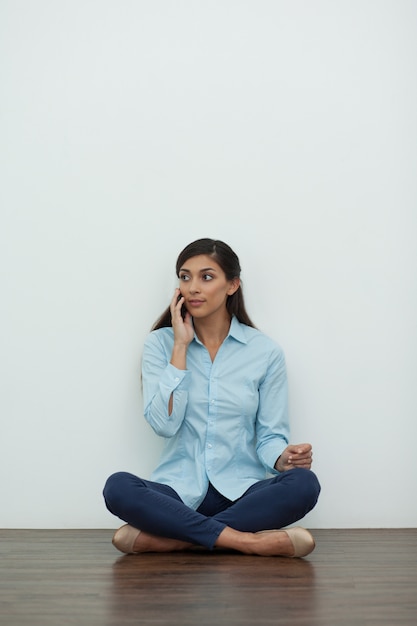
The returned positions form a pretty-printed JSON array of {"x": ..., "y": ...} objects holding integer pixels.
[{"x": 54, "y": 577}]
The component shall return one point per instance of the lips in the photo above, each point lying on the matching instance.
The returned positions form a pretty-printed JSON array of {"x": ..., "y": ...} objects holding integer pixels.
[{"x": 195, "y": 302}]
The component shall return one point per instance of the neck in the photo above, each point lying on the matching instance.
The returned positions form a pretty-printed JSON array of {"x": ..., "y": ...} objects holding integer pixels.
[{"x": 212, "y": 332}]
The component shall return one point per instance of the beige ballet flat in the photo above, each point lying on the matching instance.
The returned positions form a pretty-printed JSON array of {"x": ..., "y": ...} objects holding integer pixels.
[
  {"x": 124, "y": 538},
  {"x": 301, "y": 539}
]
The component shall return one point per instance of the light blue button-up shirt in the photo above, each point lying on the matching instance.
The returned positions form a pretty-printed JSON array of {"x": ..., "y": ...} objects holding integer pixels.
[{"x": 229, "y": 422}]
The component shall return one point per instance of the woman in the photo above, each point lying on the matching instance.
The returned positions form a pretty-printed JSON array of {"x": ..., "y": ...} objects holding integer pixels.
[{"x": 215, "y": 389}]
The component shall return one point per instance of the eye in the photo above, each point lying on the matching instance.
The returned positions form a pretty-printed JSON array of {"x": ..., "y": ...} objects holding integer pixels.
[
  {"x": 207, "y": 277},
  {"x": 184, "y": 277}
]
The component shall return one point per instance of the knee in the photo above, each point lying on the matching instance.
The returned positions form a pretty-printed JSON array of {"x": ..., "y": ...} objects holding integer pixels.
[
  {"x": 114, "y": 488},
  {"x": 308, "y": 485}
]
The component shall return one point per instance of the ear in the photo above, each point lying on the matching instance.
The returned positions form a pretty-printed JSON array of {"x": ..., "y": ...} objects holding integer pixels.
[{"x": 234, "y": 286}]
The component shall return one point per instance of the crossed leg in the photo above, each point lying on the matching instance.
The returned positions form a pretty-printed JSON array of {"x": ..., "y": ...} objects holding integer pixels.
[{"x": 167, "y": 524}]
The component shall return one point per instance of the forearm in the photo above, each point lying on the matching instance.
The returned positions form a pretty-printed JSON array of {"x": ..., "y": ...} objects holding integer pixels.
[
  {"x": 179, "y": 356},
  {"x": 162, "y": 381},
  {"x": 163, "y": 422},
  {"x": 178, "y": 360}
]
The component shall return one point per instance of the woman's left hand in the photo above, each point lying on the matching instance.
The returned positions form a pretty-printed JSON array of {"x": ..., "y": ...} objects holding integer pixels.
[{"x": 300, "y": 455}]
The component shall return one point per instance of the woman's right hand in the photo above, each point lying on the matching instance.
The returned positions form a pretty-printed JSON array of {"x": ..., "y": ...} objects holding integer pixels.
[
  {"x": 183, "y": 335},
  {"x": 183, "y": 328}
]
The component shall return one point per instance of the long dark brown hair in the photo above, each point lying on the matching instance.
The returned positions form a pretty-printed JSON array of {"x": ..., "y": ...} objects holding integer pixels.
[{"x": 228, "y": 261}]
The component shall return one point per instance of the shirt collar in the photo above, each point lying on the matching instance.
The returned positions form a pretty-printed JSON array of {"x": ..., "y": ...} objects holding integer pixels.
[{"x": 236, "y": 331}]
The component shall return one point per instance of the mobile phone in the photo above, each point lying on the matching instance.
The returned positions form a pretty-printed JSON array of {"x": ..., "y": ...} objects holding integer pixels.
[{"x": 183, "y": 309}]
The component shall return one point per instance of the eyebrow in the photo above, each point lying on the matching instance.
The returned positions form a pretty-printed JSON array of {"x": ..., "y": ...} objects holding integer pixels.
[{"x": 204, "y": 269}]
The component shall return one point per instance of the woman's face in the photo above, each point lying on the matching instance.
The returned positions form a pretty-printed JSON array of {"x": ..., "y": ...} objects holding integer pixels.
[{"x": 204, "y": 286}]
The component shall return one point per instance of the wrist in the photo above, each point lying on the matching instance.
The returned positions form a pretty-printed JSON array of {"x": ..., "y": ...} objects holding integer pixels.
[
  {"x": 279, "y": 466},
  {"x": 180, "y": 347},
  {"x": 179, "y": 356}
]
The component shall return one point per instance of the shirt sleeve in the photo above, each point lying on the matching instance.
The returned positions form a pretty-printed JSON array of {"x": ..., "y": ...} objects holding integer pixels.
[
  {"x": 160, "y": 379},
  {"x": 272, "y": 425}
]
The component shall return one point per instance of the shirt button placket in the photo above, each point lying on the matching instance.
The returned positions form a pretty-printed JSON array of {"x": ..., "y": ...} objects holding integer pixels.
[{"x": 211, "y": 425}]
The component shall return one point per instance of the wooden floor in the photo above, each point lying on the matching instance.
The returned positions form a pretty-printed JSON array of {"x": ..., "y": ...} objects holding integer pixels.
[{"x": 61, "y": 577}]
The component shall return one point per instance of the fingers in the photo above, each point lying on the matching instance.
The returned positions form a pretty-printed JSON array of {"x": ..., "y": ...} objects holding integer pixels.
[
  {"x": 304, "y": 463},
  {"x": 181, "y": 324},
  {"x": 300, "y": 448},
  {"x": 300, "y": 455},
  {"x": 176, "y": 304},
  {"x": 176, "y": 299}
]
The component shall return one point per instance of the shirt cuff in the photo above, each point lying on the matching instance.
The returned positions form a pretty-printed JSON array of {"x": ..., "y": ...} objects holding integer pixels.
[
  {"x": 270, "y": 457},
  {"x": 173, "y": 377}
]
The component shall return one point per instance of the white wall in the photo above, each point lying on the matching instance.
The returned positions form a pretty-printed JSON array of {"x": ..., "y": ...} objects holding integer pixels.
[{"x": 130, "y": 128}]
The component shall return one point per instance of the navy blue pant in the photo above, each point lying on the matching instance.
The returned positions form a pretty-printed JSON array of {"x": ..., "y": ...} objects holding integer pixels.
[{"x": 157, "y": 509}]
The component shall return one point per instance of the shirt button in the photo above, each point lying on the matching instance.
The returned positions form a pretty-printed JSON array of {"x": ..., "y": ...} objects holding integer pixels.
[
  {"x": 209, "y": 445},
  {"x": 176, "y": 379}
]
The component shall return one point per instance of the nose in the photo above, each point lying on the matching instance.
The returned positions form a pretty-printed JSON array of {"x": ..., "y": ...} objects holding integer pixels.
[{"x": 194, "y": 286}]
